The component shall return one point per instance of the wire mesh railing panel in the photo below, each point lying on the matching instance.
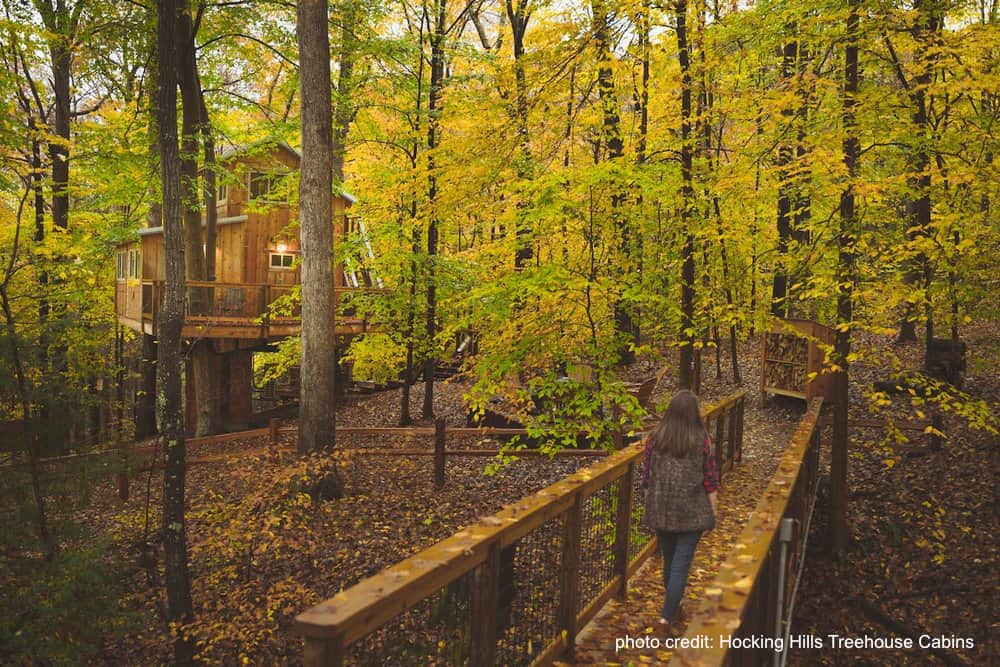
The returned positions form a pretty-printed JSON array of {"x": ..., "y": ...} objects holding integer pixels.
[
  {"x": 527, "y": 615},
  {"x": 436, "y": 631},
  {"x": 639, "y": 534},
  {"x": 599, "y": 514}
]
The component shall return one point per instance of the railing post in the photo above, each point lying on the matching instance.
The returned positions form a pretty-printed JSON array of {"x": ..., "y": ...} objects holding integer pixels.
[
  {"x": 485, "y": 602},
  {"x": 265, "y": 319},
  {"x": 739, "y": 429},
  {"x": 720, "y": 425},
  {"x": 323, "y": 653},
  {"x": 623, "y": 528},
  {"x": 731, "y": 435},
  {"x": 720, "y": 462},
  {"x": 439, "y": 426},
  {"x": 569, "y": 573},
  {"x": 272, "y": 431}
]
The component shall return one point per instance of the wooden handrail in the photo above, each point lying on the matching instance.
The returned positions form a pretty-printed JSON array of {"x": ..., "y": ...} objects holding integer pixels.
[
  {"x": 350, "y": 615},
  {"x": 740, "y": 574}
]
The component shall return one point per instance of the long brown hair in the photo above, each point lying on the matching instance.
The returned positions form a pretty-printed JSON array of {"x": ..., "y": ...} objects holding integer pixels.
[{"x": 681, "y": 433}]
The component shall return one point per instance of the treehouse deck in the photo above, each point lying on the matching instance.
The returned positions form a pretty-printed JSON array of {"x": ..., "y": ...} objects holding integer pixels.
[{"x": 227, "y": 310}]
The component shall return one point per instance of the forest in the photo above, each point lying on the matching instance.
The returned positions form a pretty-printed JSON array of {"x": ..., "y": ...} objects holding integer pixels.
[{"x": 293, "y": 291}]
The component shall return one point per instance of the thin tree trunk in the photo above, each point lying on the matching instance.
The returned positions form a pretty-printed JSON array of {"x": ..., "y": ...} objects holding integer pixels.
[
  {"x": 919, "y": 271},
  {"x": 518, "y": 13},
  {"x": 846, "y": 277},
  {"x": 411, "y": 314},
  {"x": 641, "y": 145},
  {"x": 169, "y": 361},
  {"x": 434, "y": 113},
  {"x": 611, "y": 136},
  {"x": 28, "y": 431},
  {"x": 687, "y": 333},
  {"x": 786, "y": 194}
]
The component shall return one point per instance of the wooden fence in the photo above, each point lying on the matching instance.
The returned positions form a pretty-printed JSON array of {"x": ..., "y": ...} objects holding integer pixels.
[
  {"x": 754, "y": 593},
  {"x": 514, "y": 588}
]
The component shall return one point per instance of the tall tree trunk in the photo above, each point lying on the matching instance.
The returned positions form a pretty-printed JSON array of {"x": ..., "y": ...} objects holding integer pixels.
[
  {"x": 687, "y": 333},
  {"x": 316, "y": 399},
  {"x": 170, "y": 364},
  {"x": 145, "y": 398},
  {"x": 786, "y": 194},
  {"x": 61, "y": 21},
  {"x": 205, "y": 362},
  {"x": 918, "y": 271},
  {"x": 518, "y": 13},
  {"x": 611, "y": 136},
  {"x": 411, "y": 314},
  {"x": 642, "y": 104},
  {"x": 210, "y": 188},
  {"x": 343, "y": 110},
  {"x": 27, "y": 426},
  {"x": 434, "y": 116},
  {"x": 846, "y": 277}
]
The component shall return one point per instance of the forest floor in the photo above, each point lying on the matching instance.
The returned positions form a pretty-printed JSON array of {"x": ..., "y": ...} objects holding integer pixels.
[
  {"x": 924, "y": 525},
  {"x": 261, "y": 552},
  {"x": 925, "y": 533},
  {"x": 923, "y": 522}
]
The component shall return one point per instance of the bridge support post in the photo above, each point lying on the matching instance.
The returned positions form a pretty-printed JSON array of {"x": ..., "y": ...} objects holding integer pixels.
[
  {"x": 485, "y": 602},
  {"x": 569, "y": 573},
  {"x": 623, "y": 529},
  {"x": 240, "y": 378},
  {"x": 323, "y": 653}
]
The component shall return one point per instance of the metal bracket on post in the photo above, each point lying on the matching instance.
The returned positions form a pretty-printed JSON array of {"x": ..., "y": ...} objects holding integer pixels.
[{"x": 786, "y": 531}]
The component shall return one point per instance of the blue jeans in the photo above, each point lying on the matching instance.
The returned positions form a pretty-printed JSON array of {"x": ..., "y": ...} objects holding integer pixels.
[{"x": 678, "y": 551}]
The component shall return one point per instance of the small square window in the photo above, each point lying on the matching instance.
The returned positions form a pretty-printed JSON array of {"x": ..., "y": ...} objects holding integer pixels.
[{"x": 281, "y": 260}]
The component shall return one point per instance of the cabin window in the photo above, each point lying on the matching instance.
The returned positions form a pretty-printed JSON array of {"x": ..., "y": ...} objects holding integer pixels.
[
  {"x": 133, "y": 264},
  {"x": 223, "y": 193},
  {"x": 281, "y": 260},
  {"x": 267, "y": 187},
  {"x": 121, "y": 267}
]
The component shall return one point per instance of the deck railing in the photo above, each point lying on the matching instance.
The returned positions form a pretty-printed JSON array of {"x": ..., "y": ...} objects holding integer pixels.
[
  {"x": 754, "y": 593},
  {"x": 514, "y": 588},
  {"x": 234, "y": 303}
]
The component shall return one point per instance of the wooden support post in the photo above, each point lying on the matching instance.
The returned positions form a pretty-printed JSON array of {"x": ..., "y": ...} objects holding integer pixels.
[
  {"x": 485, "y": 602},
  {"x": 323, "y": 653},
  {"x": 623, "y": 528},
  {"x": 731, "y": 435},
  {"x": 740, "y": 406},
  {"x": 720, "y": 462},
  {"x": 272, "y": 432},
  {"x": 239, "y": 372},
  {"x": 720, "y": 425},
  {"x": 569, "y": 573},
  {"x": 439, "y": 427}
]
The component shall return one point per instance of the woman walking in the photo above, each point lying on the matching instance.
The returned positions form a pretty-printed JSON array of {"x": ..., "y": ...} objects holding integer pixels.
[{"x": 681, "y": 482}]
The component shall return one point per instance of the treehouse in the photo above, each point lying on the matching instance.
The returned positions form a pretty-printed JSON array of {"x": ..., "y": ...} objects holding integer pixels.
[
  {"x": 256, "y": 253},
  {"x": 256, "y": 264}
]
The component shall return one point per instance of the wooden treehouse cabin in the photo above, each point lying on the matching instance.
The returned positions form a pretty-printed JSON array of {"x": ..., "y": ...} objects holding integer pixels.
[{"x": 256, "y": 260}]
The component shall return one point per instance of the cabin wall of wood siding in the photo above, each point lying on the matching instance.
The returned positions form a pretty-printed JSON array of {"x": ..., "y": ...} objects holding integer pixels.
[
  {"x": 153, "y": 267},
  {"x": 229, "y": 264}
]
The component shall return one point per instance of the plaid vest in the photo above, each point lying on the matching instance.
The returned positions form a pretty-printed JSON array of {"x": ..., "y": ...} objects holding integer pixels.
[{"x": 676, "y": 501}]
